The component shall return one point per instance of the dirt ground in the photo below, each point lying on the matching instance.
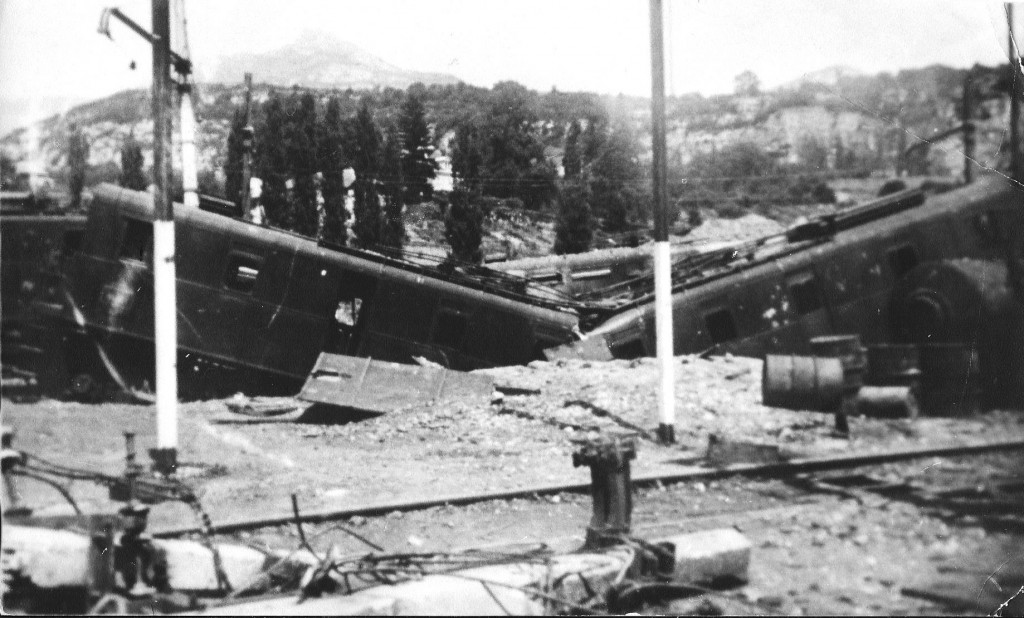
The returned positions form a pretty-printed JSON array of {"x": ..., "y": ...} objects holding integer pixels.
[{"x": 893, "y": 539}]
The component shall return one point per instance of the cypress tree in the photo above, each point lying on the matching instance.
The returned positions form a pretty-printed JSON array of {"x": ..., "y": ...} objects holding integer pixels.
[
  {"x": 366, "y": 158},
  {"x": 393, "y": 232},
  {"x": 333, "y": 163},
  {"x": 273, "y": 163},
  {"x": 368, "y": 224},
  {"x": 572, "y": 160},
  {"x": 78, "y": 157},
  {"x": 132, "y": 176},
  {"x": 463, "y": 226},
  {"x": 233, "y": 164},
  {"x": 467, "y": 156},
  {"x": 366, "y": 142},
  {"x": 574, "y": 227},
  {"x": 303, "y": 165},
  {"x": 418, "y": 166}
]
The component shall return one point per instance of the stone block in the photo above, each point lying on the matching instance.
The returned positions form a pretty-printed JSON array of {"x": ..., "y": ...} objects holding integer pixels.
[{"x": 709, "y": 555}]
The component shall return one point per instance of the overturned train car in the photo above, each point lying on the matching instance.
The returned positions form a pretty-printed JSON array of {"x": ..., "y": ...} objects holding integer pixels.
[
  {"x": 906, "y": 268},
  {"x": 257, "y": 305},
  {"x": 34, "y": 247}
]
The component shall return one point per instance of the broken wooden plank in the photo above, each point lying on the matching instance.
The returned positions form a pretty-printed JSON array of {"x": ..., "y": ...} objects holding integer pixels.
[{"x": 379, "y": 387}]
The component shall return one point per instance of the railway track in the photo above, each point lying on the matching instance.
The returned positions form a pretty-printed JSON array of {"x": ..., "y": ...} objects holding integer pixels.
[{"x": 791, "y": 468}]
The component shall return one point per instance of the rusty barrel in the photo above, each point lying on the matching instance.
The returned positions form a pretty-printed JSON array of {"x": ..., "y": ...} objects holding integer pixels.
[
  {"x": 893, "y": 365},
  {"x": 802, "y": 382},
  {"x": 950, "y": 379}
]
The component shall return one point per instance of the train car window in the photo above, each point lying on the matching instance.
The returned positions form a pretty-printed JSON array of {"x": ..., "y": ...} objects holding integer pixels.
[
  {"x": 138, "y": 241},
  {"x": 347, "y": 313},
  {"x": 721, "y": 326},
  {"x": 449, "y": 328},
  {"x": 903, "y": 259},
  {"x": 803, "y": 291},
  {"x": 242, "y": 271}
]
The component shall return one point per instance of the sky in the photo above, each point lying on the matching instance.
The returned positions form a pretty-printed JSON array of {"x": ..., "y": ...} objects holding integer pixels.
[{"x": 51, "y": 48}]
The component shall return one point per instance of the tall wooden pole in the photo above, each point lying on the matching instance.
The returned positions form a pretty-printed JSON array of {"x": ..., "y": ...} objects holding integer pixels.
[
  {"x": 662, "y": 250},
  {"x": 165, "y": 327},
  {"x": 247, "y": 138}
]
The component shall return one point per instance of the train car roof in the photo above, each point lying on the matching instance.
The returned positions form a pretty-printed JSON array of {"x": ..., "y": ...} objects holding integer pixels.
[{"x": 140, "y": 205}]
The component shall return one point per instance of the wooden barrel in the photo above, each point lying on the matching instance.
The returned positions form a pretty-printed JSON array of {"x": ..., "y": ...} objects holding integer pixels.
[
  {"x": 893, "y": 365},
  {"x": 950, "y": 379},
  {"x": 849, "y": 351},
  {"x": 802, "y": 382}
]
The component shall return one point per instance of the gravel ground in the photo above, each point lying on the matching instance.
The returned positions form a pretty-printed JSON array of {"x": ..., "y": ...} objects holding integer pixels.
[{"x": 816, "y": 551}]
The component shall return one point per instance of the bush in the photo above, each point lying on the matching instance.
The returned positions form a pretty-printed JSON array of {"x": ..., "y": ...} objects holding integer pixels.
[
  {"x": 730, "y": 209},
  {"x": 823, "y": 194}
]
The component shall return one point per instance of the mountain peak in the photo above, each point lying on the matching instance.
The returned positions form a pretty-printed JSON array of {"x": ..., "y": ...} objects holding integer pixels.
[{"x": 318, "y": 59}]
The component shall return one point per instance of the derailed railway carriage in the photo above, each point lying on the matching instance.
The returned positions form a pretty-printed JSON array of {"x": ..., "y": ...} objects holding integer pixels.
[
  {"x": 257, "y": 305},
  {"x": 905, "y": 268}
]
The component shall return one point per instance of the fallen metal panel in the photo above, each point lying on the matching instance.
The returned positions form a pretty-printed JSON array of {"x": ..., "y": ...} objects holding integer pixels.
[{"x": 380, "y": 387}]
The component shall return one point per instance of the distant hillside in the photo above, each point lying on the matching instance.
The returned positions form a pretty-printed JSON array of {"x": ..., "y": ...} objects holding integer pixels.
[
  {"x": 319, "y": 60},
  {"x": 835, "y": 120}
]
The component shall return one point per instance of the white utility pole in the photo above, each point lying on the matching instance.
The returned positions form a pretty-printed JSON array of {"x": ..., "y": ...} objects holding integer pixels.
[{"x": 662, "y": 250}]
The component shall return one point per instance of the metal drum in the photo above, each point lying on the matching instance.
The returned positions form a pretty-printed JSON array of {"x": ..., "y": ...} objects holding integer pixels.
[
  {"x": 802, "y": 382},
  {"x": 849, "y": 351},
  {"x": 893, "y": 365},
  {"x": 950, "y": 379}
]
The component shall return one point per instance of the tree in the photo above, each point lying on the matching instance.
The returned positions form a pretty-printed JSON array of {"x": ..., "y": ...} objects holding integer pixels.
[
  {"x": 574, "y": 227},
  {"x": 468, "y": 156},
  {"x": 536, "y": 187},
  {"x": 393, "y": 230},
  {"x": 572, "y": 160},
  {"x": 511, "y": 147},
  {"x": 747, "y": 84},
  {"x": 368, "y": 218},
  {"x": 366, "y": 141},
  {"x": 333, "y": 163},
  {"x": 132, "y": 176},
  {"x": 78, "y": 158},
  {"x": 272, "y": 162},
  {"x": 812, "y": 151},
  {"x": 301, "y": 140},
  {"x": 417, "y": 165},
  {"x": 8, "y": 171},
  {"x": 463, "y": 226},
  {"x": 235, "y": 152},
  {"x": 616, "y": 177}
]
